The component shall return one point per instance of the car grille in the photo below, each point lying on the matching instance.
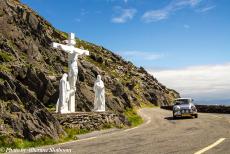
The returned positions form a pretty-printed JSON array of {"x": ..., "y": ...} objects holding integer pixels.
[{"x": 185, "y": 111}]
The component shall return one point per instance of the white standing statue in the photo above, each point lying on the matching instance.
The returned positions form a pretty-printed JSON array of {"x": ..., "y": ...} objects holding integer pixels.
[
  {"x": 99, "y": 89},
  {"x": 73, "y": 54},
  {"x": 64, "y": 94}
]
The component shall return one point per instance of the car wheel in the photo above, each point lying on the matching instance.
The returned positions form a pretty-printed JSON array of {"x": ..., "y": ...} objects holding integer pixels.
[
  {"x": 174, "y": 117},
  {"x": 196, "y": 115}
]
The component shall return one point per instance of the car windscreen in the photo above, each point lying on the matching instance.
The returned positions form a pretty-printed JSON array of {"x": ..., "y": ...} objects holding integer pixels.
[{"x": 181, "y": 101}]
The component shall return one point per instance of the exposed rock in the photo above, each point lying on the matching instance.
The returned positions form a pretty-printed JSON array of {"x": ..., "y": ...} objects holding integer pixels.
[
  {"x": 118, "y": 88},
  {"x": 26, "y": 115}
]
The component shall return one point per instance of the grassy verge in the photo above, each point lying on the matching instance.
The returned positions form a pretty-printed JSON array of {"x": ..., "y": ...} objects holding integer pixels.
[
  {"x": 133, "y": 117},
  {"x": 71, "y": 134},
  {"x": 147, "y": 105}
]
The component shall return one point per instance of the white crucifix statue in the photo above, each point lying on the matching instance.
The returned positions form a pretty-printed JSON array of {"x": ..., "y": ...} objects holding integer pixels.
[{"x": 73, "y": 54}]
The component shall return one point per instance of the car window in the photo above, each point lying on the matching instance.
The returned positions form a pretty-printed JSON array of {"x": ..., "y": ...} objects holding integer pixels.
[
  {"x": 177, "y": 103},
  {"x": 181, "y": 101}
]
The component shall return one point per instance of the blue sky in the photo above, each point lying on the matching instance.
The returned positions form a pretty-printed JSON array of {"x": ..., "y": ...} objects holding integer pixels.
[{"x": 161, "y": 35}]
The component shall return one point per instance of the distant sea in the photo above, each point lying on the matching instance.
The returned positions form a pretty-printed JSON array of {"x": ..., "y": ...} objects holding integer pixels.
[{"x": 213, "y": 102}]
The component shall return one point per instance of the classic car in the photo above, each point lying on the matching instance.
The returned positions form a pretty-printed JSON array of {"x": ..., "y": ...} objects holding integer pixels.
[{"x": 183, "y": 107}]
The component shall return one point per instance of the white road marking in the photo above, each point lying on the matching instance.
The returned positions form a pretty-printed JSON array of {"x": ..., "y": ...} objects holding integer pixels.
[
  {"x": 85, "y": 139},
  {"x": 210, "y": 146},
  {"x": 74, "y": 141},
  {"x": 126, "y": 130},
  {"x": 149, "y": 120}
]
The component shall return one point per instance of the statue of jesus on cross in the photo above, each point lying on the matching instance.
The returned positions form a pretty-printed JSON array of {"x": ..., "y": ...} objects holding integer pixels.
[{"x": 73, "y": 54}]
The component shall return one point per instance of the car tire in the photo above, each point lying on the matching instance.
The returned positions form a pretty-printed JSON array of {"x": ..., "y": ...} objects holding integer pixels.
[
  {"x": 196, "y": 115},
  {"x": 174, "y": 117}
]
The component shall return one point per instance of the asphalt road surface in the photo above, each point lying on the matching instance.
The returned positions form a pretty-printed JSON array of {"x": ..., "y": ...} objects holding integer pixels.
[{"x": 209, "y": 133}]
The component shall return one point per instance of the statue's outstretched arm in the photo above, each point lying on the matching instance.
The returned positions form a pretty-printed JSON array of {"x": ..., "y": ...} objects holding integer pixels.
[{"x": 81, "y": 51}]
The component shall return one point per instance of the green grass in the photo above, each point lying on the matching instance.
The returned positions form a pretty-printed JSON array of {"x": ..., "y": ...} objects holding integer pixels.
[
  {"x": 4, "y": 68},
  {"x": 100, "y": 65},
  {"x": 147, "y": 105},
  {"x": 63, "y": 34},
  {"x": 133, "y": 117},
  {"x": 20, "y": 143},
  {"x": 71, "y": 133},
  {"x": 51, "y": 109},
  {"x": 5, "y": 57}
]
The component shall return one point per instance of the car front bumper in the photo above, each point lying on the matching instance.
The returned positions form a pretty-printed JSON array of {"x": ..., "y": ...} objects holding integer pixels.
[{"x": 184, "y": 113}]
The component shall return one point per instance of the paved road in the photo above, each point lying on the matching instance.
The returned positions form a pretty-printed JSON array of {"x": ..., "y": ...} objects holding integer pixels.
[{"x": 161, "y": 134}]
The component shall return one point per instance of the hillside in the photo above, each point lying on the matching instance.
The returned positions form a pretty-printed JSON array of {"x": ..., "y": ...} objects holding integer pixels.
[{"x": 30, "y": 71}]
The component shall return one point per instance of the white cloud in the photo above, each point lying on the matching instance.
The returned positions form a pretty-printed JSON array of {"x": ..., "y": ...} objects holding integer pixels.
[
  {"x": 164, "y": 13},
  {"x": 141, "y": 55},
  {"x": 192, "y": 3},
  {"x": 156, "y": 15},
  {"x": 124, "y": 15},
  {"x": 206, "y": 9},
  {"x": 200, "y": 82}
]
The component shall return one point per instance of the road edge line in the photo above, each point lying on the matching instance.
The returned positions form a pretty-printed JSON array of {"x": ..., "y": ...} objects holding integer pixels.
[{"x": 210, "y": 146}]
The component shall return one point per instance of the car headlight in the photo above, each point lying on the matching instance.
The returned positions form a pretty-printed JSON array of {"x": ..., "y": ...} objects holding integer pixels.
[
  {"x": 176, "y": 108},
  {"x": 193, "y": 108}
]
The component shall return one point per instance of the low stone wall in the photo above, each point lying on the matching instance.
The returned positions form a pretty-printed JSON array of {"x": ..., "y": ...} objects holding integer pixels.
[
  {"x": 213, "y": 109},
  {"x": 91, "y": 120},
  {"x": 207, "y": 108}
]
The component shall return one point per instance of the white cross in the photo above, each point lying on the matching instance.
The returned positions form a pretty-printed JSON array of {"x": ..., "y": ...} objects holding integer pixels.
[
  {"x": 73, "y": 54},
  {"x": 70, "y": 48}
]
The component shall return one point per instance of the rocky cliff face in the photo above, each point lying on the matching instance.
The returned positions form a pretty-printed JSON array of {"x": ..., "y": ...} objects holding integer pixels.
[{"x": 30, "y": 71}]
